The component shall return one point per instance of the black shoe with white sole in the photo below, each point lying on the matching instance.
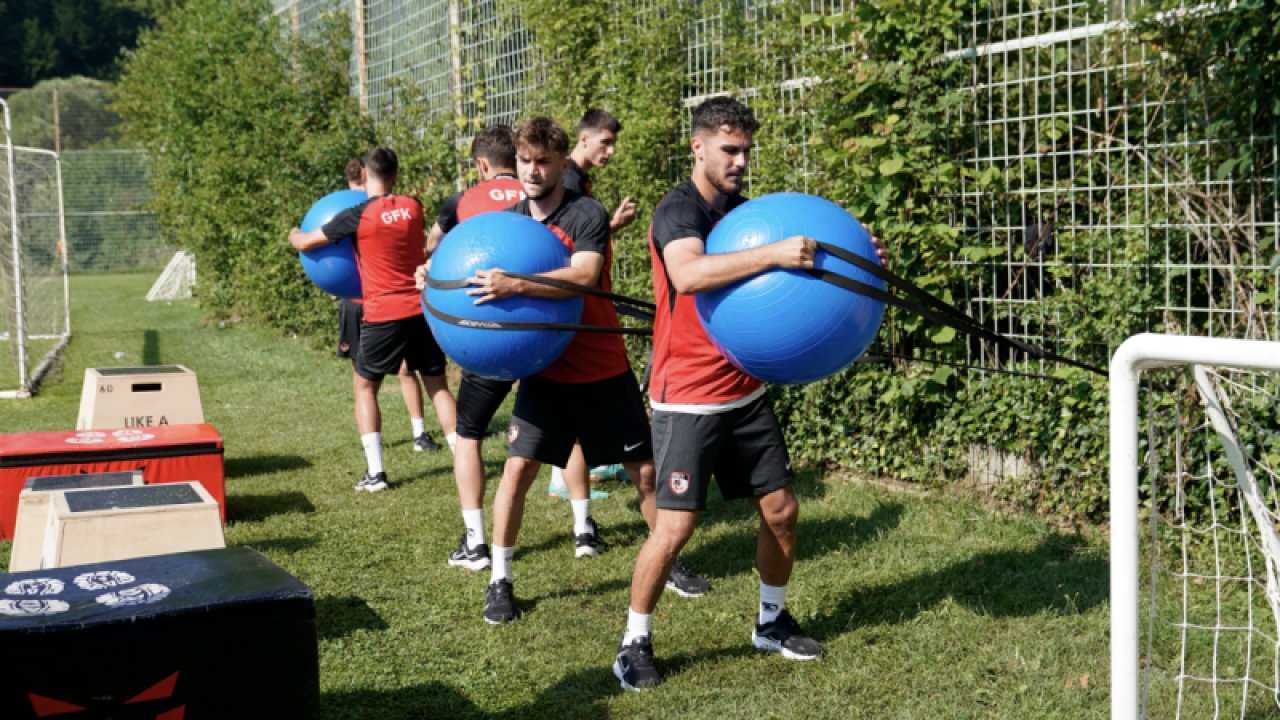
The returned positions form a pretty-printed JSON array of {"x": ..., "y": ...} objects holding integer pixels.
[
  {"x": 471, "y": 558},
  {"x": 500, "y": 603},
  {"x": 633, "y": 665},
  {"x": 589, "y": 544},
  {"x": 685, "y": 582},
  {"x": 784, "y": 635},
  {"x": 372, "y": 483}
]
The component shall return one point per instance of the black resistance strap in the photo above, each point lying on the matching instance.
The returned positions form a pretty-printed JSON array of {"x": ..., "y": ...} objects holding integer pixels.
[
  {"x": 631, "y": 307},
  {"x": 925, "y": 305}
]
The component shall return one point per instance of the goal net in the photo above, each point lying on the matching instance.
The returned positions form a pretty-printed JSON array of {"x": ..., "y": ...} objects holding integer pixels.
[
  {"x": 176, "y": 280},
  {"x": 1195, "y": 528},
  {"x": 35, "y": 321}
]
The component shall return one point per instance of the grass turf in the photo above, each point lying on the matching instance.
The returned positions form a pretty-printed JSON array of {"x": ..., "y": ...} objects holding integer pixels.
[{"x": 927, "y": 606}]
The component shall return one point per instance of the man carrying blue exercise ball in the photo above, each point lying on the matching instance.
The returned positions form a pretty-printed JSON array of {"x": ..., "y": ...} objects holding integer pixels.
[
  {"x": 709, "y": 417},
  {"x": 389, "y": 243}
]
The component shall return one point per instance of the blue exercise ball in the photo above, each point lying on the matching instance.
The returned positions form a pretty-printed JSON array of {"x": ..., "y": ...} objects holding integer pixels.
[
  {"x": 516, "y": 243},
  {"x": 332, "y": 267},
  {"x": 786, "y": 326}
]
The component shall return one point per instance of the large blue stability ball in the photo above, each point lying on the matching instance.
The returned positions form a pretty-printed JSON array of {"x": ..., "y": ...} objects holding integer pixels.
[
  {"x": 332, "y": 267},
  {"x": 515, "y": 243},
  {"x": 786, "y": 326}
]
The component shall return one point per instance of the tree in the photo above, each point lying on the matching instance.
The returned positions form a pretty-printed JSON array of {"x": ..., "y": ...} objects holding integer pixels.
[{"x": 42, "y": 39}]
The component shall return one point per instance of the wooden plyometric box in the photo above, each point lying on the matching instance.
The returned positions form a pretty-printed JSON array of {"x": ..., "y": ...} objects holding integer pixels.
[
  {"x": 90, "y": 526},
  {"x": 133, "y": 397},
  {"x": 33, "y": 509}
]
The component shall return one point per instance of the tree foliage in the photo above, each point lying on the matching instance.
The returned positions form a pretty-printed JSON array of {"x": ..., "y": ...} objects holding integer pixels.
[
  {"x": 245, "y": 128},
  {"x": 41, "y": 39}
]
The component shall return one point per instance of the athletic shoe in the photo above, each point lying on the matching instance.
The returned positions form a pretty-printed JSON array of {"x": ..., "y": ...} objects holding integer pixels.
[
  {"x": 471, "y": 558},
  {"x": 608, "y": 472},
  {"x": 785, "y": 636},
  {"x": 372, "y": 483},
  {"x": 423, "y": 443},
  {"x": 499, "y": 603},
  {"x": 589, "y": 544},
  {"x": 562, "y": 492},
  {"x": 634, "y": 665},
  {"x": 685, "y": 582}
]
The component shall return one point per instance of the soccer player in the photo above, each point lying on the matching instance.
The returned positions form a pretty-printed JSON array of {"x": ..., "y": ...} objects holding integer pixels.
[
  {"x": 389, "y": 245},
  {"x": 709, "y": 418},
  {"x": 589, "y": 394},
  {"x": 493, "y": 151},
  {"x": 350, "y": 313},
  {"x": 597, "y": 144}
]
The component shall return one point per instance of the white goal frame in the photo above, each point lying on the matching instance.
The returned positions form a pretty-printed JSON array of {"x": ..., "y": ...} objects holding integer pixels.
[
  {"x": 28, "y": 377},
  {"x": 1138, "y": 353}
]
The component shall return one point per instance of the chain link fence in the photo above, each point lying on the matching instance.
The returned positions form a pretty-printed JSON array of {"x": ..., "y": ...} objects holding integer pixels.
[
  {"x": 105, "y": 187},
  {"x": 1097, "y": 173}
]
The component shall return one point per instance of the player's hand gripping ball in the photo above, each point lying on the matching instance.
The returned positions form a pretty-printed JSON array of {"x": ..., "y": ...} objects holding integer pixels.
[
  {"x": 786, "y": 326},
  {"x": 516, "y": 244}
]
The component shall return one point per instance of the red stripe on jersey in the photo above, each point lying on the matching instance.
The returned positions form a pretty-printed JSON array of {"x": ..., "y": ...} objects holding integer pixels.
[
  {"x": 496, "y": 194},
  {"x": 389, "y": 247},
  {"x": 591, "y": 356},
  {"x": 687, "y": 367}
]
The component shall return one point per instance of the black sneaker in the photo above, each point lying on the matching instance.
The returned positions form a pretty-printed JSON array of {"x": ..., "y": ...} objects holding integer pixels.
[
  {"x": 372, "y": 483},
  {"x": 634, "y": 665},
  {"x": 589, "y": 544},
  {"x": 424, "y": 443},
  {"x": 499, "y": 603},
  {"x": 785, "y": 636},
  {"x": 685, "y": 582},
  {"x": 471, "y": 558}
]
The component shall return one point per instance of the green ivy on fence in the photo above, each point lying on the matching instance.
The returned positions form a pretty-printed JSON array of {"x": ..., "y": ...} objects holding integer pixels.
[{"x": 246, "y": 123}]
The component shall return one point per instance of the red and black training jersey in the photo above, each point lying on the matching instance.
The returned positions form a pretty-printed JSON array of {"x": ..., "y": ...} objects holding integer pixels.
[
  {"x": 389, "y": 246},
  {"x": 582, "y": 224},
  {"x": 497, "y": 193},
  {"x": 576, "y": 179},
  {"x": 687, "y": 368}
]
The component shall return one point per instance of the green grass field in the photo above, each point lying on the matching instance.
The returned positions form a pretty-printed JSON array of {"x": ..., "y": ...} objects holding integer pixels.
[{"x": 928, "y": 606}]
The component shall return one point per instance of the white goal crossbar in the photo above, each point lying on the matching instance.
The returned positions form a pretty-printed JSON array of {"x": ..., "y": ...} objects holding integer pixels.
[{"x": 1138, "y": 353}]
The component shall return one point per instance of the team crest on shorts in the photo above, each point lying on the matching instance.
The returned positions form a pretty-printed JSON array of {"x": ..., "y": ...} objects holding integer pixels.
[
  {"x": 679, "y": 482},
  {"x": 513, "y": 432}
]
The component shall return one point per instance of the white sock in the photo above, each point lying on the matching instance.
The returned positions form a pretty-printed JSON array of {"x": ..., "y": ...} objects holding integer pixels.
[
  {"x": 581, "y": 516},
  {"x": 557, "y": 479},
  {"x": 638, "y": 625},
  {"x": 372, "y": 443},
  {"x": 452, "y": 439},
  {"x": 501, "y": 563},
  {"x": 419, "y": 425},
  {"x": 474, "y": 520},
  {"x": 773, "y": 599}
]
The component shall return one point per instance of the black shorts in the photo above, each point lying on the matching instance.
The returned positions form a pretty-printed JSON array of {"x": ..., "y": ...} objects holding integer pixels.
[
  {"x": 742, "y": 447},
  {"x": 384, "y": 345},
  {"x": 350, "y": 315},
  {"x": 478, "y": 401},
  {"x": 606, "y": 417}
]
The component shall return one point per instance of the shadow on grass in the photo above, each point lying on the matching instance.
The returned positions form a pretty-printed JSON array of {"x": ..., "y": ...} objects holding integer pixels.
[
  {"x": 252, "y": 508},
  {"x": 582, "y": 694},
  {"x": 735, "y": 553},
  {"x": 1062, "y": 575},
  {"x": 338, "y": 617},
  {"x": 287, "y": 544},
  {"x": 263, "y": 465}
]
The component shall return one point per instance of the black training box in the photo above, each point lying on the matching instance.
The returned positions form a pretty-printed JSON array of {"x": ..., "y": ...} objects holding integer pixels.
[{"x": 213, "y": 634}]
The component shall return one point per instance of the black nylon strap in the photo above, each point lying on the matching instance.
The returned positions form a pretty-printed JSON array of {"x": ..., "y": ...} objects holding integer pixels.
[
  {"x": 928, "y": 307},
  {"x": 518, "y": 325},
  {"x": 552, "y": 282}
]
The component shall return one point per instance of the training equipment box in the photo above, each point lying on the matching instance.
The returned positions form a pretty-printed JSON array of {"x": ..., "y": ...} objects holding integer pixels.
[
  {"x": 164, "y": 454},
  {"x": 135, "y": 397},
  {"x": 103, "y": 524},
  {"x": 212, "y": 634},
  {"x": 33, "y": 510}
]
